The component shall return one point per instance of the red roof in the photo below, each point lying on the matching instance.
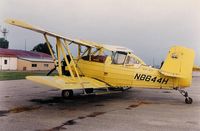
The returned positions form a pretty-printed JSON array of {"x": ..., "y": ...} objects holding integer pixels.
[{"x": 22, "y": 53}]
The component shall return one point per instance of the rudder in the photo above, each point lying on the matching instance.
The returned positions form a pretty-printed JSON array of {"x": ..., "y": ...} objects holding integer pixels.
[{"x": 179, "y": 62}]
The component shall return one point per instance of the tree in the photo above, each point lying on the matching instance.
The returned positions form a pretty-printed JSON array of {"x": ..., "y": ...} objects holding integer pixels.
[
  {"x": 42, "y": 47},
  {"x": 4, "y": 43}
]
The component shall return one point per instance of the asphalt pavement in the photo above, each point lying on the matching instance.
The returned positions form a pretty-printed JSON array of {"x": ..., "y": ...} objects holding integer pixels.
[{"x": 26, "y": 106}]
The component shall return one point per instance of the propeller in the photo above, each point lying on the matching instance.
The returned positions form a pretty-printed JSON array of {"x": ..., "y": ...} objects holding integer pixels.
[
  {"x": 51, "y": 70},
  {"x": 63, "y": 66}
]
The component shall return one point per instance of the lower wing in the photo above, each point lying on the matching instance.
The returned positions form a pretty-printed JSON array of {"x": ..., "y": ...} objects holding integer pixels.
[{"x": 64, "y": 82}]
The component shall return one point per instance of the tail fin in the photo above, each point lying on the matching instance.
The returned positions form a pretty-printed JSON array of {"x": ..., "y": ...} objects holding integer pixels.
[{"x": 179, "y": 62}]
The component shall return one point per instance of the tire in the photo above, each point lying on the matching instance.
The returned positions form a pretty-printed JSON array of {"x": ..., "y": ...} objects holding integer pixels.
[
  {"x": 188, "y": 100},
  {"x": 66, "y": 94}
]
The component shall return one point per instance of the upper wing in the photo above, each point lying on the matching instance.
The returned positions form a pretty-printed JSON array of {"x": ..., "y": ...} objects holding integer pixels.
[
  {"x": 64, "y": 82},
  {"x": 42, "y": 31},
  {"x": 80, "y": 42}
]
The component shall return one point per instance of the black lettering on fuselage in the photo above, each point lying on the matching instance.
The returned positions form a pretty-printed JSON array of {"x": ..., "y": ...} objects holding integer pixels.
[
  {"x": 137, "y": 76},
  {"x": 149, "y": 78},
  {"x": 143, "y": 76},
  {"x": 165, "y": 81}
]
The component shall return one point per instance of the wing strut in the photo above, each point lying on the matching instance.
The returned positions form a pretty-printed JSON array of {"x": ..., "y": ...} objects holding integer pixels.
[
  {"x": 61, "y": 47},
  {"x": 72, "y": 60},
  {"x": 50, "y": 49}
]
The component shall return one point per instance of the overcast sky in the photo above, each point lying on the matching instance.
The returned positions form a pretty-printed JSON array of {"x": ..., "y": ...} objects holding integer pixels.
[{"x": 148, "y": 27}]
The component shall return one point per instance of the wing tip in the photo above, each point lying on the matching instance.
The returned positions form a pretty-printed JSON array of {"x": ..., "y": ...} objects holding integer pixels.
[{"x": 9, "y": 21}]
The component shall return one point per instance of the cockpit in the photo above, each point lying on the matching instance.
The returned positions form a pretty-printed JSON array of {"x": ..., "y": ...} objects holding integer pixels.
[
  {"x": 113, "y": 55},
  {"x": 126, "y": 58}
]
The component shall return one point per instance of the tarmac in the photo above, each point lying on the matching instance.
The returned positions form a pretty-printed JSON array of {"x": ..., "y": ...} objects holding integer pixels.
[{"x": 26, "y": 106}]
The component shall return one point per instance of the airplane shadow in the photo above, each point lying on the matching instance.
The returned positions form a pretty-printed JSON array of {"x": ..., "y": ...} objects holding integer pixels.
[{"x": 133, "y": 95}]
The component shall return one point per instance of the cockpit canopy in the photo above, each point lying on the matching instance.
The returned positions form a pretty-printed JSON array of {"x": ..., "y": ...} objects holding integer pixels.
[
  {"x": 125, "y": 58},
  {"x": 117, "y": 54}
]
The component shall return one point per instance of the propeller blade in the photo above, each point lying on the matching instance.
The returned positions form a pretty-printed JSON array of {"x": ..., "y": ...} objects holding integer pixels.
[{"x": 51, "y": 71}]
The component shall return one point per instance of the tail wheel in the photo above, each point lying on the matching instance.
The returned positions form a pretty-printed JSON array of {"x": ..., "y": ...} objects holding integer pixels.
[
  {"x": 188, "y": 100},
  {"x": 67, "y": 94}
]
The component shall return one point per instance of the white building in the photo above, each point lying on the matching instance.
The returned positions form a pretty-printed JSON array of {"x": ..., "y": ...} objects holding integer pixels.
[
  {"x": 8, "y": 63},
  {"x": 24, "y": 60}
]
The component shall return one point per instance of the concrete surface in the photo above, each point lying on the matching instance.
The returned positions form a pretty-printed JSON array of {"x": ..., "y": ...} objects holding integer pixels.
[{"x": 28, "y": 106}]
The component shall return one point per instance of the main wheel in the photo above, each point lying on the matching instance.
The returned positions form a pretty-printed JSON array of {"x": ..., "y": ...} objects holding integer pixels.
[
  {"x": 67, "y": 94},
  {"x": 188, "y": 100}
]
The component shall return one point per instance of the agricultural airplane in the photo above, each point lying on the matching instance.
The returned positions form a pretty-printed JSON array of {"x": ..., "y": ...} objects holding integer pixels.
[{"x": 103, "y": 69}]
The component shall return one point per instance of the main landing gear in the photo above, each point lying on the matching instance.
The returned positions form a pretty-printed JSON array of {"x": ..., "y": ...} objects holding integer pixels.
[
  {"x": 67, "y": 94},
  {"x": 188, "y": 100}
]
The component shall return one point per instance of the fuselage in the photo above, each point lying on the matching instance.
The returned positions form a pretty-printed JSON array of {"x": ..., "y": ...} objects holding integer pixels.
[{"x": 134, "y": 75}]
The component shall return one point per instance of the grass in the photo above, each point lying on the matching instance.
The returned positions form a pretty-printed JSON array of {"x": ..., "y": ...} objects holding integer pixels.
[{"x": 16, "y": 75}]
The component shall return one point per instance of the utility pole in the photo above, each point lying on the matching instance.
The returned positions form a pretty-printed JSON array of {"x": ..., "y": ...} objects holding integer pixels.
[
  {"x": 4, "y": 31},
  {"x": 153, "y": 62},
  {"x": 25, "y": 45}
]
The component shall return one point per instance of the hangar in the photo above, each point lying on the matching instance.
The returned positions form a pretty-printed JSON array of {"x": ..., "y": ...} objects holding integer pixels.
[{"x": 21, "y": 60}]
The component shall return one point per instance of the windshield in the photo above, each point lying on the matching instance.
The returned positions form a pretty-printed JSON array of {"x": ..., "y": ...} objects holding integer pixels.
[
  {"x": 119, "y": 57},
  {"x": 131, "y": 61}
]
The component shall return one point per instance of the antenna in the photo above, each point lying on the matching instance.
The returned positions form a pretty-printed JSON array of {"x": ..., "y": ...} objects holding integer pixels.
[
  {"x": 153, "y": 62},
  {"x": 25, "y": 45},
  {"x": 4, "y": 31}
]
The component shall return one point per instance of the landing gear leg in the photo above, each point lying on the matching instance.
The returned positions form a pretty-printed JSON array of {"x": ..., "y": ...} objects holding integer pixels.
[{"x": 188, "y": 100}]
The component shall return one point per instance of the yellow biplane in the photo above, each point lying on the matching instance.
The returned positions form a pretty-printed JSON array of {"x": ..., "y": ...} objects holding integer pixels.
[{"x": 103, "y": 69}]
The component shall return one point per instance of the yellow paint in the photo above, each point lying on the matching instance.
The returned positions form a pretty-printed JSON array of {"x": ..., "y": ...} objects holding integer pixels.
[
  {"x": 59, "y": 56},
  {"x": 179, "y": 62},
  {"x": 64, "y": 82},
  {"x": 72, "y": 61},
  {"x": 50, "y": 49}
]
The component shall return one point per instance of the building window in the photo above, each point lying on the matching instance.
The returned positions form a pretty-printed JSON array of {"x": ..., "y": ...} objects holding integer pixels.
[
  {"x": 34, "y": 65},
  {"x": 5, "y": 62},
  {"x": 46, "y": 65}
]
